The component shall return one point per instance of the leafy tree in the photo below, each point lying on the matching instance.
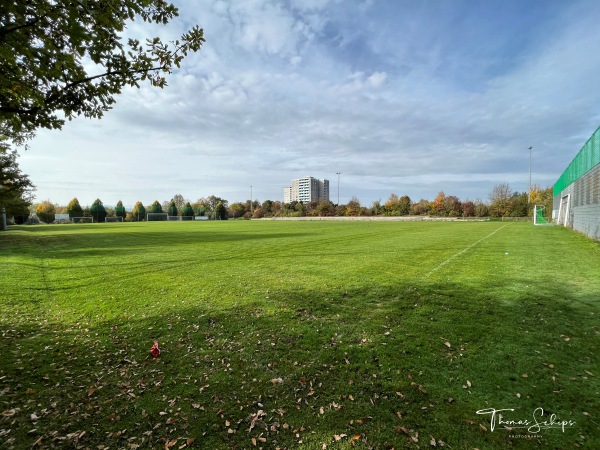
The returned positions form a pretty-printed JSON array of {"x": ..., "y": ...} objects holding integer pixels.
[
  {"x": 518, "y": 206},
  {"x": 422, "y": 207},
  {"x": 481, "y": 209},
  {"x": 74, "y": 209},
  {"x": 390, "y": 205},
  {"x": 353, "y": 207},
  {"x": 179, "y": 201},
  {"x": 376, "y": 208},
  {"x": 300, "y": 209},
  {"x": 16, "y": 190},
  {"x": 188, "y": 211},
  {"x": 46, "y": 211},
  {"x": 156, "y": 207},
  {"x": 220, "y": 211},
  {"x": 98, "y": 211},
  {"x": 172, "y": 210},
  {"x": 453, "y": 206},
  {"x": 438, "y": 206},
  {"x": 64, "y": 58},
  {"x": 138, "y": 213},
  {"x": 237, "y": 210},
  {"x": 398, "y": 206},
  {"x": 202, "y": 205},
  {"x": 120, "y": 210},
  {"x": 325, "y": 208},
  {"x": 468, "y": 208},
  {"x": 267, "y": 206},
  {"x": 500, "y": 200}
]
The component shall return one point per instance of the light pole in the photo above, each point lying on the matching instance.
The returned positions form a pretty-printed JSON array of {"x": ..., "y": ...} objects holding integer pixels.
[
  {"x": 338, "y": 174},
  {"x": 251, "y": 207},
  {"x": 529, "y": 195}
]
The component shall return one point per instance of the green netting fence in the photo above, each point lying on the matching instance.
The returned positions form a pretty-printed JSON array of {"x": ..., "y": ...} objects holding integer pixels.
[{"x": 586, "y": 159}]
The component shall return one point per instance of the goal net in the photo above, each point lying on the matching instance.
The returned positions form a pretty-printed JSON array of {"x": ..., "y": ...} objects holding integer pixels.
[
  {"x": 82, "y": 219},
  {"x": 539, "y": 216},
  {"x": 156, "y": 217},
  {"x": 113, "y": 219}
]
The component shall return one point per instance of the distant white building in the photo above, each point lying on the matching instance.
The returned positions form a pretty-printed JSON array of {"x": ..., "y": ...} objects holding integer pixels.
[{"x": 306, "y": 190}]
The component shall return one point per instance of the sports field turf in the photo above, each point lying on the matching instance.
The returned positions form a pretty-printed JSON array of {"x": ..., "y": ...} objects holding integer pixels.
[{"x": 299, "y": 335}]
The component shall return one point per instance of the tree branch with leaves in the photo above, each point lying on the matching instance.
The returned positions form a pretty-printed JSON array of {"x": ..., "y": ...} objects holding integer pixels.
[{"x": 66, "y": 58}]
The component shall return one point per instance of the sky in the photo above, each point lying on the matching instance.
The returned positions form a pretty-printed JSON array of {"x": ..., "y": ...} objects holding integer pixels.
[{"x": 410, "y": 97}]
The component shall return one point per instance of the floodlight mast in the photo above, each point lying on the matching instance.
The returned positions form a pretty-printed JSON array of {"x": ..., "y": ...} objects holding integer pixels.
[
  {"x": 338, "y": 187},
  {"x": 529, "y": 196}
]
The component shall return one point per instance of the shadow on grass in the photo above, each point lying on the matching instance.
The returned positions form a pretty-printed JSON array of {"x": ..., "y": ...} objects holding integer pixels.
[{"x": 379, "y": 367}]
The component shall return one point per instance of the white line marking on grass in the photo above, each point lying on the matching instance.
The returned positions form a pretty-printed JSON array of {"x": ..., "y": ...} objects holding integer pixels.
[{"x": 456, "y": 255}]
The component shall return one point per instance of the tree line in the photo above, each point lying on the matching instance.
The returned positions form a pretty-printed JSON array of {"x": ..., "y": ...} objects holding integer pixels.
[{"x": 503, "y": 202}]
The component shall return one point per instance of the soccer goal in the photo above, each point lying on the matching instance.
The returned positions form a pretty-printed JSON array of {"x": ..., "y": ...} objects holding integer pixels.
[
  {"x": 539, "y": 216},
  {"x": 156, "y": 217},
  {"x": 82, "y": 219},
  {"x": 564, "y": 210},
  {"x": 113, "y": 219}
]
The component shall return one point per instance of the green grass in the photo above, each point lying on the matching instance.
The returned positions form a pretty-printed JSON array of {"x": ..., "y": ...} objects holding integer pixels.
[{"x": 297, "y": 335}]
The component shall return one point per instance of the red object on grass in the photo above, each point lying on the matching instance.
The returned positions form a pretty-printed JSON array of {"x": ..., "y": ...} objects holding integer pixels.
[{"x": 154, "y": 351}]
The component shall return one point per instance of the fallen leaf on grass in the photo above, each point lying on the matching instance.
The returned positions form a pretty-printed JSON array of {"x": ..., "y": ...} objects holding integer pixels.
[
  {"x": 448, "y": 344},
  {"x": 419, "y": 386},
  {"x": 403, "y": 429}
]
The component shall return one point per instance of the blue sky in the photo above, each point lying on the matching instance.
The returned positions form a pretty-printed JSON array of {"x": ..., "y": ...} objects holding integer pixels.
[{"x": 410, "y": 97}]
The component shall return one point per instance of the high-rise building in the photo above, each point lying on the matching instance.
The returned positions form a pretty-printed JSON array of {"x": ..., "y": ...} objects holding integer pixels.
[{"x": 306, "y": 190}]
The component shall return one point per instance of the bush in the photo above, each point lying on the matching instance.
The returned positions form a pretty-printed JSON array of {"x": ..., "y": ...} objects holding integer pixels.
[
  {"x": 98, "y": 211},
  {"x": 74, "y": 209},
  {"x": 138, "y": 213},
  {"x": 188, "y": 211},
  {"x": 46, "y": 211},
  {"x": 156, "y": 207},
  {"x": 120, "y": 210},
  {"x": 172, "y": 211}
]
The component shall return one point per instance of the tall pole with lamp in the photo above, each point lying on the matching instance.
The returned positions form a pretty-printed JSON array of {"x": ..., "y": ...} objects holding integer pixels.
[
  {"x": 529, "y": 195},
  {"x": 338, "y": 187}
]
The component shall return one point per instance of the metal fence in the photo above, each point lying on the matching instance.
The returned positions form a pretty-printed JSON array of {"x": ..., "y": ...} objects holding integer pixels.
[{"x": 586, "y": 159}]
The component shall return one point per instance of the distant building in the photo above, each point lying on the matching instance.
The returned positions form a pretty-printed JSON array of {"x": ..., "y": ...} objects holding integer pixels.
[{"x": 306, "y": 190}]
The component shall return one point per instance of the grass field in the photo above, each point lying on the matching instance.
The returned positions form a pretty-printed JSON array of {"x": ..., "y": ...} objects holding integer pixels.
[{"x": 299, "y": 335}]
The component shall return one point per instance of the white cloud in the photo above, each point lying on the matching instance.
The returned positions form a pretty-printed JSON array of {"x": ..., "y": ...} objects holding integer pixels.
[{"x": 399, "y": 98}]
